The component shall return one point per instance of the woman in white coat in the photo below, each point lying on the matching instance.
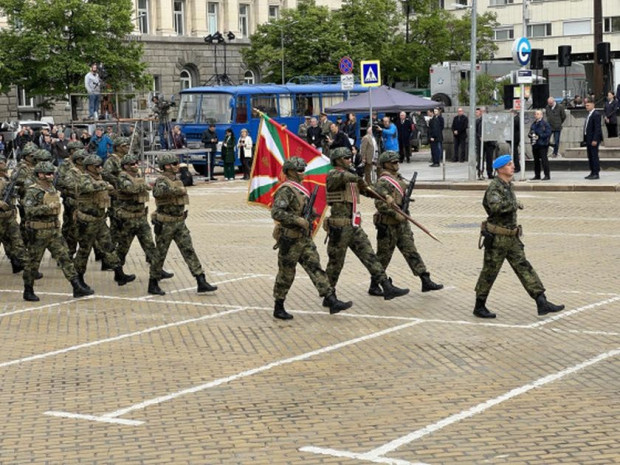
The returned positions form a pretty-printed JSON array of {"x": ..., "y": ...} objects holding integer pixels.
[{"x": 244, "y": 146}]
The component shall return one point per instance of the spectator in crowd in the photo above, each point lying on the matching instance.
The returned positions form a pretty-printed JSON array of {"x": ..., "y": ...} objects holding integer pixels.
[
  {"x": 101, "y": 144},
  {"x": 109, "y": 130},
  {"x": 209, "y": 140},
  {"x": 340, "y": 123},
  {"x": 85, "y": 137},
  {"x": 435, "y": 127},
  {"x": 93, "y": 88},
  {"x": 389, "y": 135},
  {"x": 325, "y": 125},
  {"x": 337, "y": 138},
  {"x": 178, "y": 139},
  {"x": 59, "y": 149},
  {"x": 369, "y": 151},
  {"x": 460, "y": 123},
  {"x": 540, "y": 133},
  {"x": 44, "y": 132},
  {"x": 350, "y": 129},
  {"x": 404, "y": 126},
  {"x": 73, "y": 137},
  {"x": 516, "y": 128},
  {"x": 46, "y": 142},
  {"x": 244, "y": 146},
  {"x": 611, "y": 120},
  {"x": 302, "y": 131},
  {"x": 314, "y": 135},
  {"x": 228, "y": 154},
  {"x": 592, "y": 137},
  {"x": 24, "y": 135},
  {"x": 555, "y": 117}
]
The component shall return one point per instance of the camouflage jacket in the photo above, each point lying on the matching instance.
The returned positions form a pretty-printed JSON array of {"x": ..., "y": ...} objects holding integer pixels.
[
  {"x": 37, "y": 206},
  {"x": 112, "y": 168},
  {"x": 385, "y": 187},
  {"x": 339, "y": 181},
  {"x": 93, "y": 195},
  {"x": 25, "y": 177},
  {"x": 132, "y": 192},
  {"x": 288, "y": 204},
  {"x": 500, "y": 204},
  {"x": 170, "y": 195}
]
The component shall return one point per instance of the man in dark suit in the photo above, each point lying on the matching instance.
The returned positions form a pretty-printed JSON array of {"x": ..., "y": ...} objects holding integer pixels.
[
  {"x": 460, "y": 123},
  {"x": 592, "y": 136},
  {"x": 404, "y": 127},
  {"x": 435, "y": 134}
]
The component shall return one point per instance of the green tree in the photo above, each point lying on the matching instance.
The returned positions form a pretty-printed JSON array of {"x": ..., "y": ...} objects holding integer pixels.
[
  {"x": 48, "y": 45},
  {"x": 486, "y": 89}
]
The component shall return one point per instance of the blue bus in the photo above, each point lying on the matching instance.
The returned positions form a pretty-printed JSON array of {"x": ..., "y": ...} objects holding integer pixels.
[{"x": 233, "y": 107}]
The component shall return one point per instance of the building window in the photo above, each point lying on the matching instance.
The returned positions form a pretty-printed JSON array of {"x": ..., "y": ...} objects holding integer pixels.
[
  {"x": 274, "y": 12},
  {"x": 501, "y": 2},
  {"x": 576, "y": 28},
  {"x": 143, "y": 16},
  {"x": 539, "y": 30},
  {"x": 611, "y": 24},
  {"x": 156, "y": 84},
  {"x": 248, "y": 77},
  {"x": 212, "y": 10},
  {"x": 22, "y": 98},
  {"x": 504, "y": 34},
  {"x": 244, "y": 20},
  {"x": 185, "y": 79},
  {"x": 461, "y": 2},
  {"x": 179, "y": 17}
]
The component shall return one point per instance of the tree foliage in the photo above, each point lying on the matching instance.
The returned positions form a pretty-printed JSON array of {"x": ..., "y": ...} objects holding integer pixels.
[{"x": 48, "y": 45}]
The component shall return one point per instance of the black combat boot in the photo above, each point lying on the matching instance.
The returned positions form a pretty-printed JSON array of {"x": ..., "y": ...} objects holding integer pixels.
[
  {"x": 374, "y": 288},
  {"x": 279, "y": 312},
  {"x": 166, "y": 275},
  {"x": 203, "y": 285},
  {"x": 79, "y": 290},
  {"x": 80, "y": 278},
  {"x": 481, "y": 310},
  {"x": 335, "y": 305},
  {"x": 154, "y": 287},
  {"x": 390, "y": 291},
  {"x": 121, "y": 278},
  {"x": 544, "y": 306},
  {"x": 105, "y": 266},
  {"x": 428, "y": 284},
  {"x": 17, "y": 266},
  {"x": 29, "y": 294}
]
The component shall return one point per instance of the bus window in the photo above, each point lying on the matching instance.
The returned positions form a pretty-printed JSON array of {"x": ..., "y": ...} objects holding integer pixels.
[
  {"x": 286, "y": 106},
  {"x": 306, "y": 104},
  {"x": 187, "y": 108},
  {"x": 215, "y": 108},
  {"x": 329, "y": 100},
  {"x": 268, "y": 104},
  {"x": 242, "y": 109}
]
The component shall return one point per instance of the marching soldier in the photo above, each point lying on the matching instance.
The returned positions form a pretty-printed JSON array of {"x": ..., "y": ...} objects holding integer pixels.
[
  {"x": 42, "y": 206},
  {"x": 69, "y": 182},
  {"x": 500, "y": 236},
  {"x": 93, "y": 200},
  {"x": 344, "y": 225},
  {"x": 393, "y": 229},
  {"x": 295, "y": 244},
  {"x": 169, "y": 220},
  {"x": 132, "y": 195},
  {"x": 10, "y": 235},
  {"x": 111, "y": 171}
]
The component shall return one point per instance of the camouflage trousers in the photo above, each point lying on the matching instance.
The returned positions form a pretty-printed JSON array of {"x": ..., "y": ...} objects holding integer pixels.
[
  {"x": 390, "y": 236},
  {"x": 89, "y": 233},
  {"x": 11, "y": 238},
  {"x": 165, "y": 233},
  {"x": 303, "y": 251},
  {"x": 140, "y": 228},
  {"x": 343, "y": 238},
  {"x": 507, "y": 248},
  {"x": 69, "y": 227},
  {"x": 47, "y": 239}
]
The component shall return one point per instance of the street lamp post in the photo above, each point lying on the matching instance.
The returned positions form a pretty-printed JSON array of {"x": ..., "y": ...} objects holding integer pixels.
[
  {"x": 282, "y": 45},
  {"x": 472, "y": 94}
]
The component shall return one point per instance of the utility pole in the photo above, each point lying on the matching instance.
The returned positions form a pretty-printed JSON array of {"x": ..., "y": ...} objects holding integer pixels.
[{"x": 598, "y": 38}]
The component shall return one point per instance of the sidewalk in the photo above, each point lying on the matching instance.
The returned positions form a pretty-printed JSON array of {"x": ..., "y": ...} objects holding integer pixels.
[{"x": 456, "y": 177}]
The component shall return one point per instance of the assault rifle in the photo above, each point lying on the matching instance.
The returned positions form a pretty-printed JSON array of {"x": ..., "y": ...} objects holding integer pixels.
[
  {"x": 8, "y": 192},
  {"x": 308, "y": 211},
  {"x": 407, "y": 198}
]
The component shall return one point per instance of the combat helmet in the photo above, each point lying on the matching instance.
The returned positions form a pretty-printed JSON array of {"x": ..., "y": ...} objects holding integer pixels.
[
  {"x": 338, "y": 153},
  {"x": 120, "y": 140},
  {"x": 42, "y": 155},
  {"x": 295, "y": 164},
  {"x": 167, "y": 159},
  {"x": 129, "y": 159},
  {"x": 29, "y": 149},
  {"x": 79, "y": 154},
  {"x": 92, "y": 159},
  {"x": 75, "y": 145},
  {"x": 389, "y": 156},
  {"x": 45, "y": 167}
]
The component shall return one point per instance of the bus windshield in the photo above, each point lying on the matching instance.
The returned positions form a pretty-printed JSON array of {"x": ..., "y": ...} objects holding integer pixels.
[{"x": 205, "y": 108}]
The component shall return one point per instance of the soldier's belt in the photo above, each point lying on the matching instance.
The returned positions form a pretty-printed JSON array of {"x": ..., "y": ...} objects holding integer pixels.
[
  {"x": 500, "y": 231},
  {"x": 125, "y": 215},
  {"x": 7, "y": 214},
  {"x": 338, "y": 222},
  {"x": 378, "y": 218},
  {"x": 291, "y": 233},
  {"x": 168, "y": 218},
  {"x": 37, "y": 225},
  {"x": 86, "y": 218}
]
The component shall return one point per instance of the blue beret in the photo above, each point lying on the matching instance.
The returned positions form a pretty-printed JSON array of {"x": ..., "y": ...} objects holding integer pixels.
[{"x": 500, "y": 161}]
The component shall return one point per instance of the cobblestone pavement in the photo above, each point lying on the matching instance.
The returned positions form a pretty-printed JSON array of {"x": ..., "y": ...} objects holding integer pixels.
[{"x": 127, "y": 378}]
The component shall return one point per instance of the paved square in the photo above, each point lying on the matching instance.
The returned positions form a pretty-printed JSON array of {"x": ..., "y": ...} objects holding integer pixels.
[{"x": 123, "y": 377}]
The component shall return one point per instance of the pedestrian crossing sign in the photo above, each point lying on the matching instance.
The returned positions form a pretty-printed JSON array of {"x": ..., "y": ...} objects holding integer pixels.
[{"x": 371, "y": 73}]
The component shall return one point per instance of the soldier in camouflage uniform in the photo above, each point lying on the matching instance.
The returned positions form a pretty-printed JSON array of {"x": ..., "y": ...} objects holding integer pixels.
[
  {"x": 111, "y": 171},
  {"x": 169, "y": 220},
  {"x": 295, "y": 242},
  {"x": 10, "y": 236},
  {"x": 69, "y": 175},
  {"x": 501, "y": 239},
  {"x": 42, "y": 206},
  {"x": 24, "y": 173},
  {"x": 132, "y": 195},
  {"x": 393, "y": 229},
  {"x": 344, "y": 225},
  {"x": 93, "y": 200}
]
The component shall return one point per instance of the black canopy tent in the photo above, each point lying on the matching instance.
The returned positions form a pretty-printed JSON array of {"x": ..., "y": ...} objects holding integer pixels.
[{"x": 384, "y": 99}]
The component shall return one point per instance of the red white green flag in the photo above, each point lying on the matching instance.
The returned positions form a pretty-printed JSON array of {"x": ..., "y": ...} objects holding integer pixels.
[{"x": 274, "y": 145}]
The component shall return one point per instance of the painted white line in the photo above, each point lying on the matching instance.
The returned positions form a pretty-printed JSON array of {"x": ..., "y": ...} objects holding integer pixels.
[
  {"x": 393, "y": 445},
  {"x": 149, "y": 297},
  {"x": 117, "y": 338},
  {"x": 42, "y": 307},
  {"x": 355, "y": 456},
  {"x": 251, "y": 372},
  {"x": 167, "y": 302},
  {"x": 567, "y": 313},
  {"x": 77, "y": 416}
]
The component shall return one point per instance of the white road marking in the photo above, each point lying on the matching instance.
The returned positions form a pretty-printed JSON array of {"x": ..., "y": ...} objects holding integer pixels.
[
  {"x": 41, "y": 307},
  {"x": 149, "y": 297},
  {"x": 228, "y": 379},
  {"x": 567, "y": 313},
  {"x": 380, "y": 452}
]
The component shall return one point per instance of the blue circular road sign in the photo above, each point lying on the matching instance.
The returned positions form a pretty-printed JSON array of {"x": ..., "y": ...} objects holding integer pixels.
[{"x": 346, "y": 65}]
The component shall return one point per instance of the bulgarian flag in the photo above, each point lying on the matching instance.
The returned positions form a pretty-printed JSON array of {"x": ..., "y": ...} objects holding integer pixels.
[{"x": 275, "y": 144}]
